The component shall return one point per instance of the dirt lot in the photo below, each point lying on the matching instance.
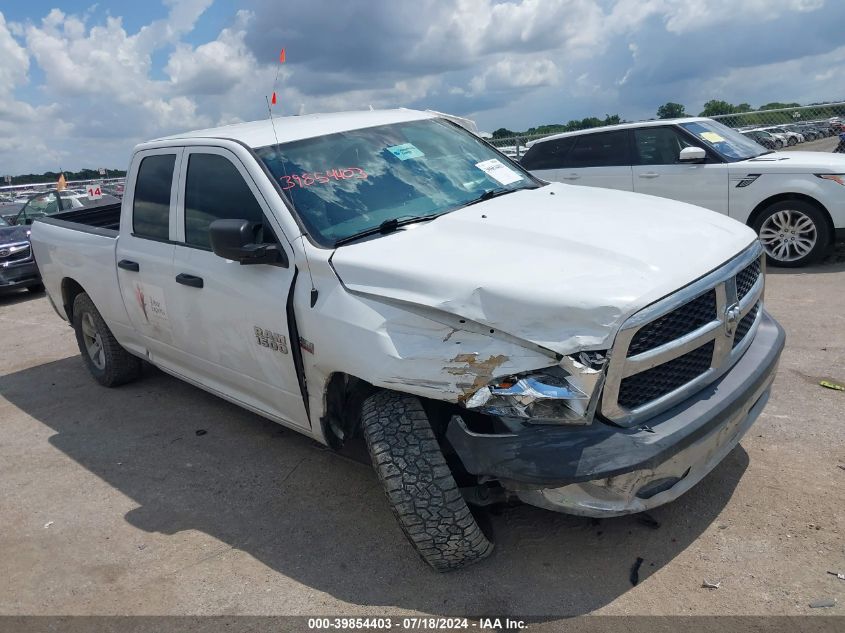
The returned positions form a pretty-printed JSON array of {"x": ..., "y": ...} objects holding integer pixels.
[{"x": 112, "y": 502}]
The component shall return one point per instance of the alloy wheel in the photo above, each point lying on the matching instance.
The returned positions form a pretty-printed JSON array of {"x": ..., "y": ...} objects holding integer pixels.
[
  {"x": 93, "y": 342},
  {"x": 788, "y": 235}
]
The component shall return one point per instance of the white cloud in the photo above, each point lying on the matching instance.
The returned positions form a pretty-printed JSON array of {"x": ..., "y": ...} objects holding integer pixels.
[
  {"x": 681, "y": 16},
  {"x": 517, "y": 72},
  {"x": 213, "y": 68},
  {"x": 15, "y": 60},
  {"x": 106, "y": 87}
]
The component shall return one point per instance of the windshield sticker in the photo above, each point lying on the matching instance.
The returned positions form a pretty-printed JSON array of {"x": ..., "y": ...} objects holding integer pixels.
[
  {"x": 405, "y": 151},
  {"x": 712, "y": 137},
  {"x": 322, "y": 177},
  {"x": 498, "y": 171}
]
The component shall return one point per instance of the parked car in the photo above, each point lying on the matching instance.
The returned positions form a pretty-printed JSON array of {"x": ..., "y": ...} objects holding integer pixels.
[
  {"x": 49, "y": 203},
  {"x": 764, "y": 138},
  {"x": 17, "y": 267},
  {"x": 793, "y": 200},
  {"x": 387, "y": 274},
  {"x": 792, "y": 138}
]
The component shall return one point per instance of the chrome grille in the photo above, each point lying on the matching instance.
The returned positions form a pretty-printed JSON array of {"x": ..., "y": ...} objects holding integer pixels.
[
  {"x": 650, "y": 384},
  {"x": 669, "y": 327},
  {"x": 672, "y": 348},
  {"x": 744, "y": 326},
  {"x": 14, "y": 252},
  {"x": 746, "y": 278}
]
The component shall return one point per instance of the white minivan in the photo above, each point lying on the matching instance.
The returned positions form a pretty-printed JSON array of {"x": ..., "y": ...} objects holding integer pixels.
[{"x": 792, "y": 199}]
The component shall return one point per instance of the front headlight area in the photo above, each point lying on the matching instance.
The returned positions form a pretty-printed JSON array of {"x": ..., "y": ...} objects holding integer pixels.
[{"x": 567, "y": 393}]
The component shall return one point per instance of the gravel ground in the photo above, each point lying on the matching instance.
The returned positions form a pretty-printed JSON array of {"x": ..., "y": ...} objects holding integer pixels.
[
  {"x": 822, "y": 145},
  {"x": 113, "y": 502}
]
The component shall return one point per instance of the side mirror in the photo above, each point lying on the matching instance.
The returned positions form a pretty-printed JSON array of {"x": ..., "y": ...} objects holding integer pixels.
[
  {"x": 239, "y": 240},
  {"x": 692, "y": 154},
  {"x": 27, "y": 221}
]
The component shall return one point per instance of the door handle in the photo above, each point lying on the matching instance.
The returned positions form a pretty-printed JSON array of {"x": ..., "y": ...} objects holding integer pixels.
[
  {"x": 649, "y": 174},
  {"x": 572, "y": 177},
  {"x": 189, "y": 280},
  {"x": 125, "y": 264}
]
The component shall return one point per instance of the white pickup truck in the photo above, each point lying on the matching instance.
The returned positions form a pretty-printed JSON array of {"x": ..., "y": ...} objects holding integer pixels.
[{"x": 387, "y": 274}]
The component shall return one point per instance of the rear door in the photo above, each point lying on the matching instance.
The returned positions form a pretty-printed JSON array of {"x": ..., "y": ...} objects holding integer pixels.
[
  {"x": 230, "y": 319},
  {"x": 600, "y": 159},
  {"x": 658, "y": 170},
  {"x": 145, "y": 250}
]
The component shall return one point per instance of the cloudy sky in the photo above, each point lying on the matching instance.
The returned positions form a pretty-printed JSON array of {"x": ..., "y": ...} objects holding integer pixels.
[{"x": 80, "y": 85}]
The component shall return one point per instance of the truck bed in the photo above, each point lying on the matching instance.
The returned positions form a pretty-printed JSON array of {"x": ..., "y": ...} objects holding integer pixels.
[
  {"x": 77, "y": 249},
  {"x": 105, "y": 217}
]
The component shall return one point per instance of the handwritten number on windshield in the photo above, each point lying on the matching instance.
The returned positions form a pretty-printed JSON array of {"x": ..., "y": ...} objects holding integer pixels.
[{"x": 322, "y": 177}]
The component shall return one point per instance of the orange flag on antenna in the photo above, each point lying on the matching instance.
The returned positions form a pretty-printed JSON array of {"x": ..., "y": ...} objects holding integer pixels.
[
  {"x": 273, "y": 98},
  {"x": 61, "y": 185},
  {"x": 282, "y": 57}
]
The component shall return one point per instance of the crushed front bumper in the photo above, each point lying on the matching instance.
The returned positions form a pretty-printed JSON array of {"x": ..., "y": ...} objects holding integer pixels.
[{"x": 604, "y": 470}]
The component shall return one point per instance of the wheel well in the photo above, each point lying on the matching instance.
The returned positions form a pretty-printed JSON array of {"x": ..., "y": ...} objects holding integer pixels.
[
  {"x": 755, "y": 214},
  {"x": 344, "y": 394},
  {"x": 70, "y": 289}
]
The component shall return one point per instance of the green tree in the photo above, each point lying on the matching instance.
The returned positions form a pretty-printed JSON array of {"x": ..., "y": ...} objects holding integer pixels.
[
  {"x": 775, "y": 105},
  {"x": 503, "y": 132},
  {"x": 714, "y": 107},
  {"x": 670, "y": 110}
]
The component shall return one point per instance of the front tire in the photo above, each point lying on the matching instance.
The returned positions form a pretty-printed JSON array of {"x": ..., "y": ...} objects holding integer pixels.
[
  {"x": 108, "y": 362},
  {"x": 794, "y": 233},
  {"x": 420, "y": 488}
]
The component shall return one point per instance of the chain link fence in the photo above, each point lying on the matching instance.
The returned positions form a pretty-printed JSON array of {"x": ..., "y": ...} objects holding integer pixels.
[{"x": 814, "y": 128}]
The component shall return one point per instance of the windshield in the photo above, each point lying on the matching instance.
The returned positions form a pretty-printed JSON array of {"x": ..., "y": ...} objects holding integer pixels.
[
  {"x": 348, "y": 183},
  {"x": 727, "y": 142}
]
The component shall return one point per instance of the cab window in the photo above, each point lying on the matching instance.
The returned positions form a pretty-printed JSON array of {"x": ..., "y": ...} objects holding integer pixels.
[
  {"x": 151, "y": 206},
  {"x": 215, "y": 190}
]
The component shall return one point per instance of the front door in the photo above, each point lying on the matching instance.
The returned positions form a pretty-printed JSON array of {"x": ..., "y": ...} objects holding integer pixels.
[
  {"x": 658, "y": 170},
  {"x": 231, "y": 320}
]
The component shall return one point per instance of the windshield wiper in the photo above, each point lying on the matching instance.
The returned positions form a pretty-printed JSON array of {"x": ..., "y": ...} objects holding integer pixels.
[
  {"x": 388, "y": 226},
  {"x": 494, "y": 193}
]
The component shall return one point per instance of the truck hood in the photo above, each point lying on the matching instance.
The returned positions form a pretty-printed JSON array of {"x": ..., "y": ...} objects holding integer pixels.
[
  {"x": 12, "y": 234},
  {"x": 793, "y": 163},
  {"x": 560, "y": 266}
]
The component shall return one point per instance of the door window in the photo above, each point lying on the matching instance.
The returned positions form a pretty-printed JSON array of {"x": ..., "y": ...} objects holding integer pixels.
[
  {"x": 548, "y": 154},
  {"x": 38, "y": 207},
  {"x": 151, "y": 206},
  {"x": 215, "y": 190},
  {"x": 658, "y": 145},
  {"x": 606, "y": 149}
]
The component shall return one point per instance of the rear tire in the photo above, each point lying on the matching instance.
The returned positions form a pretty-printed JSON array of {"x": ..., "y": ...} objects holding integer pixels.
[
  {"x": 108, "y": 362},
  {"x": 420, "y": 488},
  {"x": 794, "y": 233}
]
